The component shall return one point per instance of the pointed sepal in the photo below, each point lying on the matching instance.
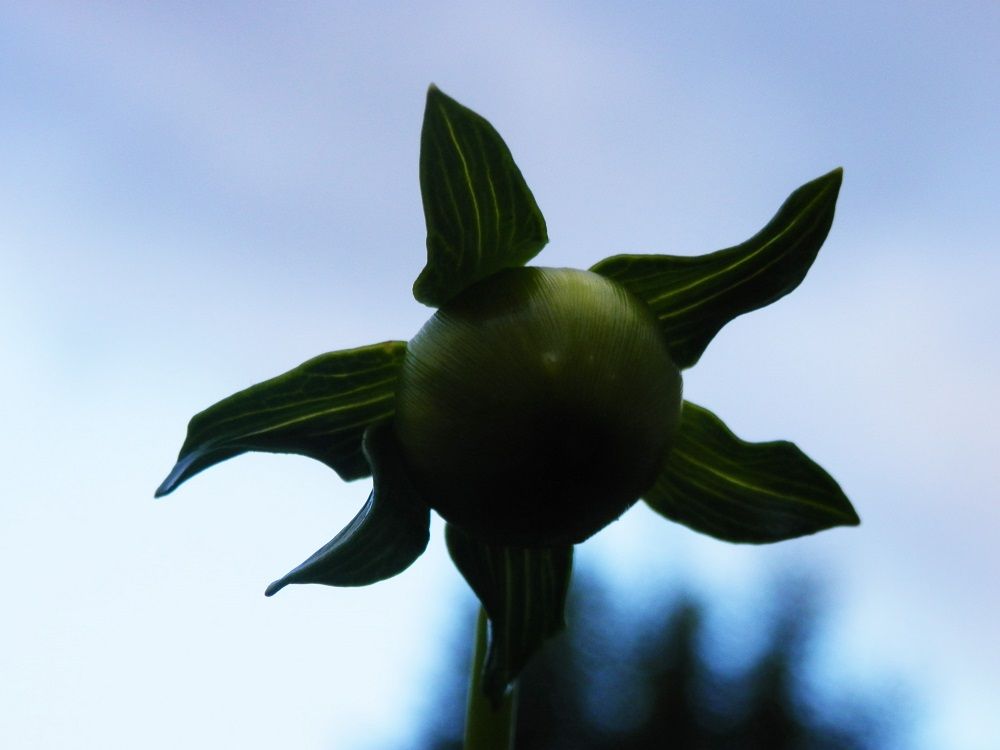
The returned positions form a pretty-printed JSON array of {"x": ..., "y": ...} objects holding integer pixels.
[
  {"x": 481, "y": 217},
  {"x": 320, "y": 409},
  {"x": 523, "y": 591},
  {"x": 694, "y": 297},
  {"x": 725, "y": 487},
  {"x": 384, "y": 539}
]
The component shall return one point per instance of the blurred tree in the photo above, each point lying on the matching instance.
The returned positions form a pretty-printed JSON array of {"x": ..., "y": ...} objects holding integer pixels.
[{"x": 620, "y": 680}]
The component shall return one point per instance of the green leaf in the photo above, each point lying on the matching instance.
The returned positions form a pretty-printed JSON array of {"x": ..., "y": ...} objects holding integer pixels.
[
  {"x": 694, "y": 297},
  {"x": 523, "y": 591},
  {"x": 320, "y": 409},
  {"x": 725, "y": 487},
  {"x": 384, "y": 539},
  {"x": 481, "y": 216}
]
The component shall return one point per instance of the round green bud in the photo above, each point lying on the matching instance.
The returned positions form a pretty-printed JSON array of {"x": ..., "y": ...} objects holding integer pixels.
[{"x": 536, "y": 406}]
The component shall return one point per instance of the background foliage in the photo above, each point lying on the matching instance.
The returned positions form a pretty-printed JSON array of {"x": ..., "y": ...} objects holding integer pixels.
[{"x": 650, "y": 678}]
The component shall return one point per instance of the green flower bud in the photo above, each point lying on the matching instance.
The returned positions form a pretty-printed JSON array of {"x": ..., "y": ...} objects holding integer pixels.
[{"x": 536, "y": 406}]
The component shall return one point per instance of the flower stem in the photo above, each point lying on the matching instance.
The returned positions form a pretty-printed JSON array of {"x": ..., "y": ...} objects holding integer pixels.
[{"x": 486, "y": 727}]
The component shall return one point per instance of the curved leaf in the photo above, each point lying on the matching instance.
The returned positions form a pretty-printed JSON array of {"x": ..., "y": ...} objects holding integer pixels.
[
  {"x": 320, "y": 409},
  {"x": 481, "y": 216},
  {"x": 523, "y": 591},
  {"x": 728, "y": 488},
  {"x": 384, "y": 539},
  {"x": 694, "y": 297}
]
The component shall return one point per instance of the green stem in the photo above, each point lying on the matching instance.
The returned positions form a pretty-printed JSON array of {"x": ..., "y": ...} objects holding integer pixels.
[{"x": 486, "y": 727}]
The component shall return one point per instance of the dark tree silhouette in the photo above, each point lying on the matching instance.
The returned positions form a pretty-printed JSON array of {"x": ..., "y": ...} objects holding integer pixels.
[{"x": 624, "y": 680}]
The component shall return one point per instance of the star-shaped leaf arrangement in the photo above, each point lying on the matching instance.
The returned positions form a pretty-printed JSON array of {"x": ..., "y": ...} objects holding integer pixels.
[{"x": 537, "y": 404}]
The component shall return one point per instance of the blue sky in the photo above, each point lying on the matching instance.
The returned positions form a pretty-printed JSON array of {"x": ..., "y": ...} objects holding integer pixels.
[{"x": 193, "y": 199}]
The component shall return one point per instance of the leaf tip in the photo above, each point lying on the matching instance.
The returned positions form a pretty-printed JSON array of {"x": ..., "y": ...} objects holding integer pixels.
[
  {"x": 834, "y": 178},
  {"x": 433, "y": 92},
  {"x": 851, "y": 517},
  {"x": 176, "y": 476},
  {"x": 275, "y": 587},
  {"x": 168, "y": 485},
  {"x": 825, "y": 189}
]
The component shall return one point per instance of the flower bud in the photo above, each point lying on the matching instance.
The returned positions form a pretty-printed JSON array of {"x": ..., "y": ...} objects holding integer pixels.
[{"x": 536, "y": 406}]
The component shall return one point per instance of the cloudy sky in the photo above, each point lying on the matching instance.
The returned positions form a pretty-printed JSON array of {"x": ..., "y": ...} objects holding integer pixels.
[{"x": 197, "y": 196}]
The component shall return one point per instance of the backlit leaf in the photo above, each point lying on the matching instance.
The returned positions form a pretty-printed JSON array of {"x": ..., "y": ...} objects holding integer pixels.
[
  {"x": 523, "y": 591},
  {"x": 389, "y": 533},
  {"x": 481, "y": 216},
  {"x": 694, "y": 297},
  {"x": 728, "y": 488},
  {"x": 320, "y": 409}
]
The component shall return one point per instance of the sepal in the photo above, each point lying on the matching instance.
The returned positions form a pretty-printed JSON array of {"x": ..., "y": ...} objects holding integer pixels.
[
  {"x": 384, "y": 539},
  {"x": 481, "y": 217},
  {"x": 737, "y": 491},
  {"x": 523, "y": 591},
  {"x": 320, "y": 409},
  {"x": 694, "y": 297}
]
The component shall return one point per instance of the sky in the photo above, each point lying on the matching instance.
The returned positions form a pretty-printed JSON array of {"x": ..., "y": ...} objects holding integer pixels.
[{"x": 195, "y": 197}]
